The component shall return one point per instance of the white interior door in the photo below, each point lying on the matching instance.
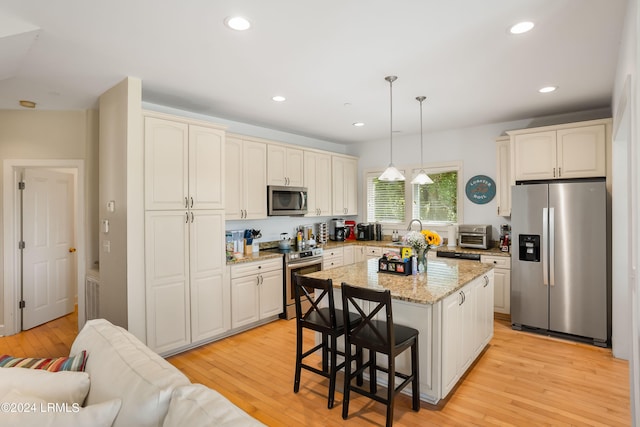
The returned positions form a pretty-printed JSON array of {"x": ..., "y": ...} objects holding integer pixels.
[{"x": 48, "y": 269}]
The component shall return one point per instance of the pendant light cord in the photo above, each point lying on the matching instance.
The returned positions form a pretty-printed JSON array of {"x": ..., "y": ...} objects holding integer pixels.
[{"x": 391, "y": 79}]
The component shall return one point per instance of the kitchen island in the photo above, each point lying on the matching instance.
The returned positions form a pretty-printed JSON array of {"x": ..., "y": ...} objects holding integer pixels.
[{"x": 451, "y": 306}]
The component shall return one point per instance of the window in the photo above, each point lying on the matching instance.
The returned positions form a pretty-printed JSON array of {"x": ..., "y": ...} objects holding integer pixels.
[
  {"x": 398, "y": 202},
  {"x": 437, "y": 202},
  {"x": 385, "y": 200}
]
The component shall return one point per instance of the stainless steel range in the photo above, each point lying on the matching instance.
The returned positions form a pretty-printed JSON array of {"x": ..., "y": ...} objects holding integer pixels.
[{"x": 302, "y": 262}]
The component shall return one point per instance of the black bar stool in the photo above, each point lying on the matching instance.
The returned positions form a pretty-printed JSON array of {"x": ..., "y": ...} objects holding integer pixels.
[
  {"x": 326, "y": 320},
  {"x": 378, "y": 336}
]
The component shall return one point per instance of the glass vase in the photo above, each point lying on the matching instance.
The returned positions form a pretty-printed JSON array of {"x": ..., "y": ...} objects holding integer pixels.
[{"x": 422, "y": 260}]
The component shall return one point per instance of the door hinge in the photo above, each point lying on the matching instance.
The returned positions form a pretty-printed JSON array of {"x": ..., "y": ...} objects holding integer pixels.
[
  {"x": 21, "y": 185},
  {"x": 21, "y": 304},
  {"x": 21, "y": 244}
]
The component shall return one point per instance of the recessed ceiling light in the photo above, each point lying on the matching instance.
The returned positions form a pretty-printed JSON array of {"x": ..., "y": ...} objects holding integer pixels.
[
  {"x": 358, "y": 124},
  {"x": 279, "y": 98},
  {"x": 521, "y": 27},
  {"x": 548, "y": 89},
  {"x": 27, "y": 104},
  {"x": 237, "y": 23}
]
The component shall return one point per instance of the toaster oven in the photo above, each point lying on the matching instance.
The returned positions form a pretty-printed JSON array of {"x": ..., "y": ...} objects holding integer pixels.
[{"x": 474, "y": 236}]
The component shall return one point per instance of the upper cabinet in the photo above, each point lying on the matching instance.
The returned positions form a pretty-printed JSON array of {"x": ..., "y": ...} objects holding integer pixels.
[
  {"x": 503, "y": 176},
  {"x": 345, "y": 185},
  {"x": 577, "y": 150},
  {"x": 317, "y": 179},
  {"x": 246, "y": 178},
  {"x": 178, "y": 172},
  {"x": 285, "y": 166}
]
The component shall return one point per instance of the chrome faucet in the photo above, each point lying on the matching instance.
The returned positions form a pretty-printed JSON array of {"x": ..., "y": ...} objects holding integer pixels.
[{"x": 414, "y": 220}]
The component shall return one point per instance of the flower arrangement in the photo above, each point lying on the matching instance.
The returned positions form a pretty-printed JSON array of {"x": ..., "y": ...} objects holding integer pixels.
[{"x": 420, "y": 240}]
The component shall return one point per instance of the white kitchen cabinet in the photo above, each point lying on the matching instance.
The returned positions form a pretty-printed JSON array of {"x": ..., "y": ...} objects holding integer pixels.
[
  {"x": 345, "y": 185},
  {"x": 373, "y": 252},
  {"x": 285, "y": 165},
  {"x": 332, "y": 258},
  {"x": 179, "y": 160},
  {"x": 245, "y": 178},
  {"x": 465, "y": 329},
  {"x": 359, "y": 253},
  {"x": 187, "y": 300},
  {"x": 568, "y": 151},
  {"x": 256, "y": 292},
  {"x": 503, "y": 176},
  {"x": 317, "y": 179},
  {"x": 502, "y": 282},
  {"x": 348, "y": 255}
]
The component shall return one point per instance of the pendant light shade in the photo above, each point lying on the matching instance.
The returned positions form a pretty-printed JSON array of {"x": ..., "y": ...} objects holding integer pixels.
[
  {"x": 422, "y": 178},
  {"x": 391, "y": 173}
]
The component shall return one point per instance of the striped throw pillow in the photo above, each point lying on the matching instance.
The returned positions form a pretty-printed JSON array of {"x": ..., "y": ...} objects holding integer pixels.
[{"x": 74, "y": 363}]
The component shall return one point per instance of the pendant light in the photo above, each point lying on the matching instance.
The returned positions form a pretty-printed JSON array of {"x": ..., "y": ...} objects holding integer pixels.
[
  {"x": 391, "y": 173},
  {"x": 422, "y": 177}
]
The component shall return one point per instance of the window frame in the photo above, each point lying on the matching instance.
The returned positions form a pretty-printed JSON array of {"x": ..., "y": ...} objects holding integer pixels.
[{"x": 429, "y": 168}]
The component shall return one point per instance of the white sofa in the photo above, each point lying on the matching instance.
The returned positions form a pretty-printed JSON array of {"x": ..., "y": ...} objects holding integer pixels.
[{"x": 153, "y": 392}]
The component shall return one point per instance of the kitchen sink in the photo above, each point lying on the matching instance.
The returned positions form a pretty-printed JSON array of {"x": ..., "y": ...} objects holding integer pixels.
[{"x": 397, "y": 244}]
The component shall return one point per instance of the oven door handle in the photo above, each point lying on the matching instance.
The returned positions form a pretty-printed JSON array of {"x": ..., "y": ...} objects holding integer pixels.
[{"x": 297, "y": 264}]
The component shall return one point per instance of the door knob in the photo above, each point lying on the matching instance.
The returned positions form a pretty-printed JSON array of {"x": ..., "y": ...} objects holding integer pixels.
[{"x": 72, "y": 250}]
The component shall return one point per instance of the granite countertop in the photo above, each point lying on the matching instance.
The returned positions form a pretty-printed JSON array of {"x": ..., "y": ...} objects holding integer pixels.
[
  {"x": 444, "y": 277},
  {"x": 494, "y": 251},
  {"x": 258, "y": 256}
]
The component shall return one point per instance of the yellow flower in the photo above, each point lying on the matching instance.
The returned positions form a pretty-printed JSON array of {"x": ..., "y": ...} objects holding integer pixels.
[{"x": 432, "y": 238}]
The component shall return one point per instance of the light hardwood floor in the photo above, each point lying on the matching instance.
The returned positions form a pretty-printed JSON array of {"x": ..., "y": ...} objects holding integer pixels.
[{"x": 521, "y": 379}]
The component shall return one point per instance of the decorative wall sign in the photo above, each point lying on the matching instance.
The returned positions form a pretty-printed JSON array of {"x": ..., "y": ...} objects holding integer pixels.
[{"x": 480, "y": 189}]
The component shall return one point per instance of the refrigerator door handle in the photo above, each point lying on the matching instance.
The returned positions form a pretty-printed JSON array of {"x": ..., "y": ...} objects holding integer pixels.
[
  {"x": 552, "y": 236},
  {"x": 545, "y": 242}
]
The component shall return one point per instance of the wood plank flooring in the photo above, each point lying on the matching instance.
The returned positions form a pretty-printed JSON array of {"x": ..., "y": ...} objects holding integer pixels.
[{"x": 521, "y": 379}]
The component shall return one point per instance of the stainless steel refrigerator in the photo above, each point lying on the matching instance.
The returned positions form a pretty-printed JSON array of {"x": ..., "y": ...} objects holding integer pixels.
[{"x": 559, "y": 259}]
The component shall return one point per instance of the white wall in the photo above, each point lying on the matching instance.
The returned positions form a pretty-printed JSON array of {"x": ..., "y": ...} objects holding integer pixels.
[
  {"x": 626, "y": 158},
  {"x": 253, "y": 130},
  {"x": 69, "y": 135},
  {"x": 122, "y": 286},
  {"x": 474, "y": 146}
]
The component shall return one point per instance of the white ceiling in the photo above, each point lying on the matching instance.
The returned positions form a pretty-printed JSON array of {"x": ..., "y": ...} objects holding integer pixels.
[{"x": 329, "y": 58}]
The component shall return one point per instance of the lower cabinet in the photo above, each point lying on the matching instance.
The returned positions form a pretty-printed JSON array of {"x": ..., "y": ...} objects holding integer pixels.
[
  {"x": 453, "y": 333},
  {"x": 348, "y": 255},
  {"x": 467, "y": 326},
  {"x": 332, "y": 258},
  {"x": 256, "y": 291},
  {"x": 187, "y": 297},
  {"x": 502, "y": 286}
]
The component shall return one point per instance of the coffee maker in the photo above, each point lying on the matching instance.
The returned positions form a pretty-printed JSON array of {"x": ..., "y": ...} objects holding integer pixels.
[
  {"x": 336, "y": 230},
  {"x": 350, "y": 230}
]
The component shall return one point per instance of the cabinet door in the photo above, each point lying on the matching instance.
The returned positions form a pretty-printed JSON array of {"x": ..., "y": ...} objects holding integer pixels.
[
  {"x": 210, "y": 299},
  {"x": 535, "y": 156},
  {"x": 351, "y": 187},
  {"x": 255, "y": 180},
  {"x": 502, "y": 291},
  {"x": 276, "y": 165},
  {"x": 581, "y": 152},
  {"x": 469, "y": 326},
  {"x": 271, "y": 293},
  {"x": 317, "y": 173},
  {"x": 167, "y": 280},
  {"x": 451, "y": 341},
  {"x": 348, "y": 255},
  {"x": 245, "y": 302},
  {"x": 338, "y": 194},
  {"x": 166, "y": 163},
  {"x": 359, "y": 253},
  {"x": 234, "y": 178},
  {"x": 503, "y": 177},
  {"x": 295, "y": 167},
  {"x": 206, "y": 168}
]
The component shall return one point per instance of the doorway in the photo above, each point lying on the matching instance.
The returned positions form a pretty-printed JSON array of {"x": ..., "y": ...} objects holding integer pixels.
[{"x": 13, "y": 259}]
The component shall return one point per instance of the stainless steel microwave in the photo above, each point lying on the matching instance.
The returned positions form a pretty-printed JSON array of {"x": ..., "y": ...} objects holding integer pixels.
[{"x": 286, "y": 201}]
